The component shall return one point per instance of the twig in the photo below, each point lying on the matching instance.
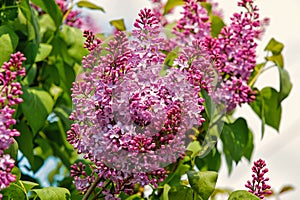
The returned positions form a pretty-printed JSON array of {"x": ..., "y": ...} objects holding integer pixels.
[{"x": 91, "y": 188}]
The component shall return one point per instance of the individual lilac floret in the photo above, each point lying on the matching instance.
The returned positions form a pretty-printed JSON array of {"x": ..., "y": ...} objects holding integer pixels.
[
  {"x": 9, "y": 91},
  {"x": 258, "y": 185}
]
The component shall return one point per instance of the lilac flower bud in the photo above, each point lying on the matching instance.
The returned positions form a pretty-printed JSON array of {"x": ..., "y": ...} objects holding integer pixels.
[{"x": 258, "y": 184}]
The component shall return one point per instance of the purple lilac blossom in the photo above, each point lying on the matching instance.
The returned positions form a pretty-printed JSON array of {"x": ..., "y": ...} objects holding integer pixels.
[
  {"x": 258, "y": 185},
  {"x": 9, "y": 91},
  {"x": 129, "y": 120},
  {"x": 232, "y": 52}
]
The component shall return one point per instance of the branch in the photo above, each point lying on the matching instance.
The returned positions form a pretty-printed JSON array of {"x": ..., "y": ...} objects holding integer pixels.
[{"x": 91, "y": 188}]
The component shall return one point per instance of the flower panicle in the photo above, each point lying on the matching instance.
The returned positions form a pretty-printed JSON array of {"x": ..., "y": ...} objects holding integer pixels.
[
  {"x": 258, "y": 185},
  {"x": 10, "y": 90},
  {"x": 233, "y": 53},
  {"x": 91, "y": 42},
  {"x": 129, "y": 121},
  {"x": 146, "y": 20}
]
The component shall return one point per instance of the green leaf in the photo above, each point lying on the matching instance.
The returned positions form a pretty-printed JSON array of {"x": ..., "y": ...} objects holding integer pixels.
[
  {"x": 30, "y": 51},
  {"x": 182, "y": 168},
  {"x": 211, "y": 162},
  {"x": 36, "y": 107},
  {"x": 274, "y": 46},
  {"x": 267, "y": 106},
  {"x": 43, "y": 52},
  {"x": 66, "y": 74},
  {"x": 208, "y": 104},
  {"x": 256, "y": 72},
  {"x": 90, "y": 5},
  {"x": 235, "y": 138},
  {"x": 31, "y": 73},
  {"x": 118, "y": 24},
  {"x": 228, "y": 160},
  {"x": 14, "y": 191},
  {"x": 249, "y": 146},
  {"x": 37, "y": 164},
  {"x": 29, "y": 19},
  {"x": 74, "y": 44},
  {"x": 47, "y": 27},
  {"x": 203, "y": 183},
  {"x": 169, "y": 60},
  {"x": 50, "y": 7},
  {"x": 43, "y": 150},
  {"x": 29, "y": 185},
  {"x": 180, "y": 193},
  {"x": 53, "y": 193},
  {"x": 193, "y": 148},
  {"x": 8, "y": 43},
  {"x": 26, "y": 141},
  {"x": 61, "y": 153},
  {"x": 276, "y": 59},
  {"x": 286, "y": 188},
  {"x": 285, "y": 84},
  {"x": 55, "y": 171},
  {"x": 216, "y": 25},
  {"x": 64, "y": 116},
  {"x": 171, "y": 4},
  {"x": 242, "y": 194},
  {"x": 16, "y": 171}
]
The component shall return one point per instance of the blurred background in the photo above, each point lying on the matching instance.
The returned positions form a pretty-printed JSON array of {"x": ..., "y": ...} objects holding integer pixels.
[{"x": 280, "y": 150}]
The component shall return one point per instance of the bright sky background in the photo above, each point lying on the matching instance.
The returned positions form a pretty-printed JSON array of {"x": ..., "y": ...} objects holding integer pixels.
[{"x": 281, "y": 151}]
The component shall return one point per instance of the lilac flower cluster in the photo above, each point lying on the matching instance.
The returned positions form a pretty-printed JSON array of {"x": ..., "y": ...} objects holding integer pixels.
[
  {"x": 9, "y": 91},
  {"x": 130, "y": 120},
  {"x": 132, "y": 112},
  {"x": 258, "y": 185},
  {"x": 232, "y": 53}
]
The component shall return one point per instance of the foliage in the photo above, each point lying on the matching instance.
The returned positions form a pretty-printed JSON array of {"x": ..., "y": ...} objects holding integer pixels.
[{"x": 54, "y": 47}]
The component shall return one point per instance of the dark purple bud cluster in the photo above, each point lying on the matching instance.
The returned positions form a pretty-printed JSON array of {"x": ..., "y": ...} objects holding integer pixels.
[{"x": 258, "y": 186}]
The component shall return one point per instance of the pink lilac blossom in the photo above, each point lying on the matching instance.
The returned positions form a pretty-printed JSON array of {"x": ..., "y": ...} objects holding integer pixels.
[
  {"x": 258, "y": 185},
  {"x": 9, "y": 91},
  {"x": 129, "y": 120},
  {"x": 232, "y": 52}
]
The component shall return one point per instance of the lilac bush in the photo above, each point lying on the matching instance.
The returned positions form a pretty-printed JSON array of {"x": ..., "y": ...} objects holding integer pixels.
[{"x": 143, "y": 109}]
